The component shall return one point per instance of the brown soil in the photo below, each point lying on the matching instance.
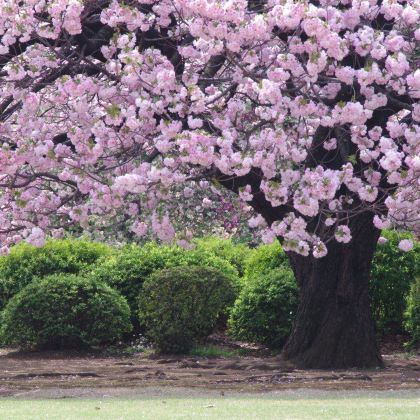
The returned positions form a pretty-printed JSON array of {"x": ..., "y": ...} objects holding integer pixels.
[{"x": 23, "y": 372}]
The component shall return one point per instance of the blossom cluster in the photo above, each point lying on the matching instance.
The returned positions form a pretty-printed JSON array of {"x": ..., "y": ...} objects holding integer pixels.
[{"x": 310, "y": 109}]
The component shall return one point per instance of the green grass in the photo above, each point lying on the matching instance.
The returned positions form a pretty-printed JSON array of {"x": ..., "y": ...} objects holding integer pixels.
[
  {"x": 213, "y": 351},
  {"x": 301, "y": 404}
]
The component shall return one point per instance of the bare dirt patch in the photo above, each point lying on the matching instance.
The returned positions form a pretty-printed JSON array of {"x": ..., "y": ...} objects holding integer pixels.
[{"x": 69, "y": 370}]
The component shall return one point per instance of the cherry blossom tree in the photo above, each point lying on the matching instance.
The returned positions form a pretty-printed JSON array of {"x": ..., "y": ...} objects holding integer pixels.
[{"x": 307, "y": 110}]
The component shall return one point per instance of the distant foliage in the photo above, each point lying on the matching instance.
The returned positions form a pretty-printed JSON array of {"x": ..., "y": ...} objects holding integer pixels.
[
  {"x": 265, "y": 309},
  {"x": 412, "y": 315},
  {"x": 127, "y": 270},
  {"x": 393, "y": 271},
  {"x": 179, "y": 306},
  {"x": 64, "y": 311},
  {"x": 26, "y": 262}
]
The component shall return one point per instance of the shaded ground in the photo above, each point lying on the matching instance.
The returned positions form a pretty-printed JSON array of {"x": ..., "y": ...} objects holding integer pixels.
[{"x": 32, "y": 372}]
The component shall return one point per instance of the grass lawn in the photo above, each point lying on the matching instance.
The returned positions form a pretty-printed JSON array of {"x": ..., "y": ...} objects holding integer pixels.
[{"x": 299, "y": 404}]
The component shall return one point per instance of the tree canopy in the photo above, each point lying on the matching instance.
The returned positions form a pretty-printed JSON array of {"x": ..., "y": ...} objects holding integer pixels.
[{"x": 111, "y": 110}]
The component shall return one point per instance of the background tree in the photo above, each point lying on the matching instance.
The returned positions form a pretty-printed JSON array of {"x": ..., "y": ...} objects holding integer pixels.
[{"x": 308, "y": 110}]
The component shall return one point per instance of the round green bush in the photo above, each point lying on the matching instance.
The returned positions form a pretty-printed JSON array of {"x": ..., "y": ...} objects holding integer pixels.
[
  {"x": 235, "y": 254},
  {"x": 179, "y": 306},
  {"x": 264, "y": 259},
  {"x": 265, "y": 309},
  {"x": 64, "y": 311},
  {"x": 127, "y": 270},
  {"x": 412, "y": 314},
  {"x": 26, "y": 262},
  {"x": 393, "y": 271}
]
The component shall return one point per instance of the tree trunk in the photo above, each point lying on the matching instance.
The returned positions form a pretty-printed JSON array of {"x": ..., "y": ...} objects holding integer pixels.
[{"x": 334, "y": 326}]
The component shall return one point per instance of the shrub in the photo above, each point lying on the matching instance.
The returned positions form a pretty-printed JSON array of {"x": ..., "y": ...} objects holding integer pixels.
[
  {"x": 393, "y": 271},
  {"x": 179, "y": 306},
  {"x": 64, "y": 311},
  {"x": 25, "y": 262},
  {"x": 265, "y": 309},
  {"x": 235, "y": 254},
  {"x": 264, "y": 259},
  {"x": 128, "y": 270},
  {"x": 412, "y": 314}
]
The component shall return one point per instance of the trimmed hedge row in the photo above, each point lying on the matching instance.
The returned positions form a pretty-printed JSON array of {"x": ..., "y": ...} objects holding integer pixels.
[
  {"x": 266, "y": 308},
  {"x": 175, "y": 296},
  {"x": 127, "y": 270},
  {"x": 237, "y": 254},
  {"x": 26, "y": 262},
  {"x": 177, "y": 307},
  {"x": 64, "y": 311},
  {"x": 181, "y": 305},
  {"x": 264, "y": 259}
]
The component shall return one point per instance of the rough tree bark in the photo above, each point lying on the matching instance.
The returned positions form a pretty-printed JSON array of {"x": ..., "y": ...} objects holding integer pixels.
[{"x": 334, "y": 327}]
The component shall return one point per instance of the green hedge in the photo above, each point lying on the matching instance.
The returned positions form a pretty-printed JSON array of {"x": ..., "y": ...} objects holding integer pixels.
[
  {"x": 265, "y": 309},
  {"x": 266, "y": 276},
  {"x": 64, "y": 311},
  {"x": 393, "y": 272},
  {"x": 235, "y": 254},
  {"x": 180, "y": 305},
  {"x": 127, "y": 270},
  {"x": 26, "y": 262},
  {"x": 264, "y": 259},
  {"x": 412, "y": 314}
]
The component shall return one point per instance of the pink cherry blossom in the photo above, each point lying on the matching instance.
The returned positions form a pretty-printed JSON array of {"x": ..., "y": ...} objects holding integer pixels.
[
  {"x": 406, "y": 245},
  {"x": 36, "y": 237},
  {"x": 382, "y": 240},
  {"x": 117, "y": 113},
  {"x": 343, "y": 234}
]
